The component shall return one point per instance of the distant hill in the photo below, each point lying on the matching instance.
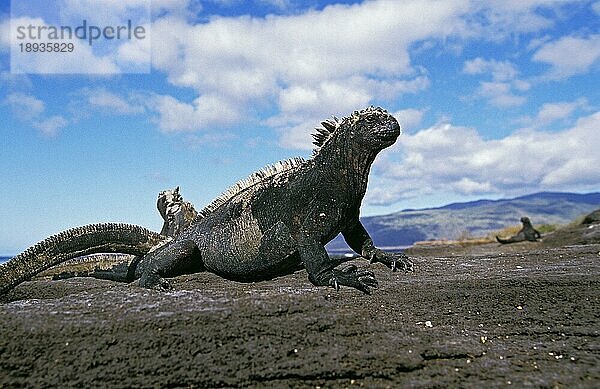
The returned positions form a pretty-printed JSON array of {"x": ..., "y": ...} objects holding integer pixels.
[{"x": 477, "y": 218}]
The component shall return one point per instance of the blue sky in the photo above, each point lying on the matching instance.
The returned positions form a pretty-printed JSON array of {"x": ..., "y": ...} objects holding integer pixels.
[{"x": 496, "y": 99}]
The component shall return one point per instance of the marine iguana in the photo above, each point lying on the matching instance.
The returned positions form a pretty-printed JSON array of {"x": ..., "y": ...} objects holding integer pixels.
[
  {"x": 526, "y": 233},
  {"x": 77, "y": 245},
  {"x": 177, "y": 215},
  {"x": 273, "y": 223}
]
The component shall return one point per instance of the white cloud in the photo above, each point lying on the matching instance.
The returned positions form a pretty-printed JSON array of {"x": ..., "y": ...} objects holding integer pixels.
[
  {"x": 447, "y": 158},
  {"x": 409, "y": 118},
  {"x": 556, "y": 111},
  {"x": 24, "y": 106},
  {"x": 81, "y": 60},
  {"x": 501, "y": 90},
  {"x": 500, "y": 94},
  {"x": 295, "y": 63},
  {"x": 136, "y": 54},
  {"x": 569, "y": 56},
  {"x": 303, "y": 108},
  {"x": 30, "y": 110},
  {"x": 297, "y": 137},
  {"x": 50, "y": 126},
  {"x": 124, "y": 53},
  {"x": 15, "y": 81},
  {"x": 596, "y": 7},
  {"x": 103, "y": 99},
  {"x": 308, "y": 65},
  {"x": 205, "y": 111},
  {"x": 111, "y": 12},
  {"x": 340, "y": 98},
  {"x": 499, "y": 19},
  {"x": 500, "y": 70},
  {"x": 580, "y": 144}
]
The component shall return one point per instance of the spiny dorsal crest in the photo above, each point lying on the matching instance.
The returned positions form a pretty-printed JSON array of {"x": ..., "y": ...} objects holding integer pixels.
[
  {"x": 255, "y": 178},
  {"x": 324, "y": 133}
]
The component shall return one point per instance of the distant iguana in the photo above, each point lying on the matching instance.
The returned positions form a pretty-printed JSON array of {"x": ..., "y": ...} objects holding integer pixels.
[
  {"x": 526, "y": 233},
  {"x": 271, "y": 224}
]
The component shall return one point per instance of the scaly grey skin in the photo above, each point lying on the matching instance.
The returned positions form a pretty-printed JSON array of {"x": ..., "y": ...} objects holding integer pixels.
[
  {"x": 526, "y": 233},
  {"x": 177, "y": 215},
  {"x": 77, "y": 242},
  {"x": 279, "y": 219},
  {"x": 109, "y": 266}
]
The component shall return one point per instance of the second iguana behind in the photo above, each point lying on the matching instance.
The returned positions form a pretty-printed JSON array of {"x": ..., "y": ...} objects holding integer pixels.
[
  {"x": 527, "y": 233},
  {"x": 279, "y": 219}
]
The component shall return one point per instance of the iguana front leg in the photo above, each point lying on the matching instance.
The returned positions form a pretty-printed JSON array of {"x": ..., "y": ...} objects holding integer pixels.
[
  {"x": 321, "y": 272},
  {"x": 359, "y": 240}
]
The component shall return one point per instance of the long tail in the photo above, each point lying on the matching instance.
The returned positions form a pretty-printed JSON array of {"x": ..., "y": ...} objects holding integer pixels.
[
  {"x": 76, "y": 242},
  {"x": 512, "y": 239}
]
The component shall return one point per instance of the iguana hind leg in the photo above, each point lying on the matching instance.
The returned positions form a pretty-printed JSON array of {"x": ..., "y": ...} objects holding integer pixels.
[{"x": 180, "y": 257}]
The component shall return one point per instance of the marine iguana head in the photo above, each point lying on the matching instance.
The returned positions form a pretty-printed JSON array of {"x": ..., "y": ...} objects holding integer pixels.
[
  {"x": 166, "y": 199},
  {"x": 367, "y": 131},
  {"x": 176, "y": 213},
  {"x": 348, "y": 147}
]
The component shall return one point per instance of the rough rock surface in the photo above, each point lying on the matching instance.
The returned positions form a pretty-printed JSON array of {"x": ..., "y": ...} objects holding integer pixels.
[
  {"x": 487, "y": 315},
  {"x": 587, "y": 232},
  {"x": 592, "y": 218}
]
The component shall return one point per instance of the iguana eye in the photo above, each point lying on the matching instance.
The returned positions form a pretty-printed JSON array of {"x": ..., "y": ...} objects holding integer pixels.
[{"x": 371, "y": 119}]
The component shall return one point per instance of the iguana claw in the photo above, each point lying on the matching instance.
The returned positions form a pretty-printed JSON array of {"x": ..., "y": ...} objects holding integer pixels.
[
  {"x": 351, "y": 276},
  {"x": 153, "y": 280},
  {"x": 350, "y": 269},
  {"x": 334, "y": 283},
  {"x": 405, "y": 263},
  {"x": 391, "y": 260}
]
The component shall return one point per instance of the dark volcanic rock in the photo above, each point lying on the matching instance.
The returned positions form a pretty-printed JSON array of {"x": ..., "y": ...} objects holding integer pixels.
[
  {"x": 588, "y": 232},
  {"x": 592, "y": 218},
  {"x": 480, "y": 316}
]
